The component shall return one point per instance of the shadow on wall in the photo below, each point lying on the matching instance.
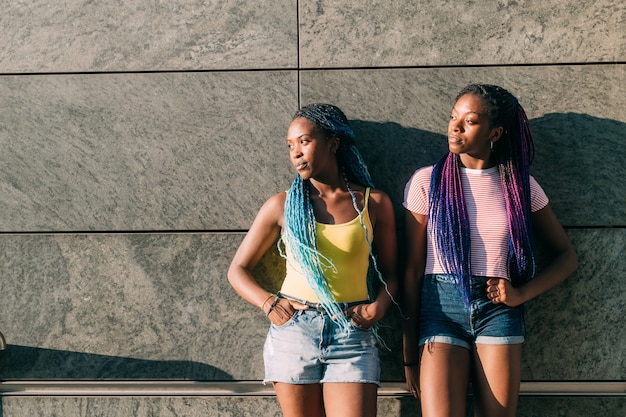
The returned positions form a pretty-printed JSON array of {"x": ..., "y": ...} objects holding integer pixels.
[
  {"x": 23, "y": 362},
  {"x": 579, "y": 162},
  {"x": 393, "y": 152}
]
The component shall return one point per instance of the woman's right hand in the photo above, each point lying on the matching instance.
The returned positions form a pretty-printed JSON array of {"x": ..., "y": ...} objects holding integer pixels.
[{"x": 284, "y": 310}]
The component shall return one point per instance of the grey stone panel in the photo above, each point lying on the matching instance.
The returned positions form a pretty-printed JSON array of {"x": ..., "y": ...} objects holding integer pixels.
[
  {"x": 127, "y": 307},
  {"x": 571, "y": 407},
  {"x": 84, "y": 36},
  {"x": 268, "y": 407},
  {"x": 576, "y": 331},
  {"x": 158, "y": 306},
  {"x": 164, "y": 151},
  {"x": 577, "y": 114},
  {"x": 167, "y": 151},
  {"x": 140, "y": 407},
  {"x": 381, "y": 33}
]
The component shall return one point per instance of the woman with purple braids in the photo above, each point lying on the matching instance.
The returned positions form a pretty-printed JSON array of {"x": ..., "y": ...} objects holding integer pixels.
[
  {"x": 470, "y": 223},
  {"x": 320, "y": 352}
]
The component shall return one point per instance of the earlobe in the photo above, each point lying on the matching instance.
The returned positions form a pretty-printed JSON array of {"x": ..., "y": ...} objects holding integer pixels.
[{"x": 496, "y": 134}]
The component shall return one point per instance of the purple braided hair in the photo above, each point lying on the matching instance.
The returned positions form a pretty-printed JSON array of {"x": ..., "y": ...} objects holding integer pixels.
[{"x": 513, "y": 153}]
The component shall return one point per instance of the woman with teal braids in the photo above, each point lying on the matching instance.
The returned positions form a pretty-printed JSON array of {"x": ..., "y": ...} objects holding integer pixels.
[
  {"x": 470, "y": 223},
  {"x": 337, "y": 234}
]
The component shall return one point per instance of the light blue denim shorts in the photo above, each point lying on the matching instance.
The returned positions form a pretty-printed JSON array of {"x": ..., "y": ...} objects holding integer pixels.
[
  {"x": 311, "y": 348},
  {"x": 445, "y": 319}
]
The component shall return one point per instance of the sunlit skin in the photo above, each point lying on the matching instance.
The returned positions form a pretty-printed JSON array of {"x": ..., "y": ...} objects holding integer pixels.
[
  {"x": 310, "y": 153},
  {"x": 313, "y": 156},
  {"x": 440, "y": 373},
  {"x": 470, "y": 134}
]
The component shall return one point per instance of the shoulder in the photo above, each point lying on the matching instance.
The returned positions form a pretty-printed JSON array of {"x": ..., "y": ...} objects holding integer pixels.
[
  {"x": 420, "y": 178},
  {"x": 379, "y": 204},
  {"x": 424, "y": 172},
  {"x": 272, "y": 211},
  {"x": 380, "y": 209},
  {"x": 417, "y": 190},
  {"x": 379, "y": 198},
  {"x": 378, "y": 195},
  {"x": 277, "y": 200},
  {"x": 533, "y": 182},
  {"x": 538, "y": 197}
]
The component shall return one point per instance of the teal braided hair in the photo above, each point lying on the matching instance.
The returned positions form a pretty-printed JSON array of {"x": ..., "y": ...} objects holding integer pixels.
[{"x": 299, "y": 233}]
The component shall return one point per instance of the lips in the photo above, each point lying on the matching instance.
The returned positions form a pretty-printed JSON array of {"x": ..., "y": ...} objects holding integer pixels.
[
  {"x": 454, "y": 139},
  {"x": 300, "y": 166}
]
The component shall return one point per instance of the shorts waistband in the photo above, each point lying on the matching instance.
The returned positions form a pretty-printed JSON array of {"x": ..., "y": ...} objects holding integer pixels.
[{"x": 319, "y": 306}]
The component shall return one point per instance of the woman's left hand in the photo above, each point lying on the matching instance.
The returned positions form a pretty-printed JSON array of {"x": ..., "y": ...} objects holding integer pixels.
[
  {"x": 363, "y": 316},
  {"x": 501, "y": 291}
]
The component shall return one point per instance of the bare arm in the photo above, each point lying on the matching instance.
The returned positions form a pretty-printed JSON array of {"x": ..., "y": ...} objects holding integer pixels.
[
  {"x": 415, "y": 229},
  {"x": 563, "y": 262},
  {"x": 386, "y": 246},
  {"x": 263, "y": 233}
]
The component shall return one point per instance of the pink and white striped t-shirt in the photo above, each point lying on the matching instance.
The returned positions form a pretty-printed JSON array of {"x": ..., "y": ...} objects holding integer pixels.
[{"x": 486, "y": 209}]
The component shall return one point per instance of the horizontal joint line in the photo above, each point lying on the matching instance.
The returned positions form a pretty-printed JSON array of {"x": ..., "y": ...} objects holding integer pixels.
[{"x": 255, "y": 388}]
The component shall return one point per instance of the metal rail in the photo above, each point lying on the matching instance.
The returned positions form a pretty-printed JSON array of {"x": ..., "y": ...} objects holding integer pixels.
[{"x": 92, "y": 388}]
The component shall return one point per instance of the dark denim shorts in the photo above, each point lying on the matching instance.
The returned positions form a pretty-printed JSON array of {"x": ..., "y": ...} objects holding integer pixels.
[{"x": 446, "y": 319}]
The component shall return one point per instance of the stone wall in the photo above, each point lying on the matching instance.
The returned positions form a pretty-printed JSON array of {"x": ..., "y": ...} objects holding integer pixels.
[{"x": 139, "y": 139}]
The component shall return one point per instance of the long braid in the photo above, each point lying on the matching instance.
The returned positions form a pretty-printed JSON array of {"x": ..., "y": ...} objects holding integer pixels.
[
  {"x": 516, "y": 154},
  {"x": 448, "y": 220},
  {"x": 300, "y": 237},
  {"x": 513, "y": 154},
  {"x": 299, "y": 234}
]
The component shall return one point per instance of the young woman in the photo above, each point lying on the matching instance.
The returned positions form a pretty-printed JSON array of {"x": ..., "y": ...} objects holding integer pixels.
[
  {"x": 320, "y": 352},
  {"x": 470, "y": 223}
]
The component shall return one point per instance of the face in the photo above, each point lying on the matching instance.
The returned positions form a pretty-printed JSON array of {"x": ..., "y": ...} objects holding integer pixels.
[
  {"x": 469, "y": 131},
  {"x": 310, "y": 152}
]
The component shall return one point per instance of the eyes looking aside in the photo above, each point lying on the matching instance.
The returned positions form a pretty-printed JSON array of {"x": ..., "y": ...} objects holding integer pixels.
[
  {"x": 469, "y": 129},
  {"x": 310, "y": 151}
]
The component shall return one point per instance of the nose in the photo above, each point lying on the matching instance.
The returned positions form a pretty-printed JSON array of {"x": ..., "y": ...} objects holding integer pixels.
[
  {"x": 455, "y": 125},
  {"x": 295, "y": 151}
]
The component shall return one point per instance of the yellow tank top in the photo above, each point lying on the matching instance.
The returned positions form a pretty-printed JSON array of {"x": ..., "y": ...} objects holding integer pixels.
[{"x": 345, "y": 245}]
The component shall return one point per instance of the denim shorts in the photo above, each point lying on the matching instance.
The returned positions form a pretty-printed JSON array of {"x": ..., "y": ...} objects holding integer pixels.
[
  {"x": 446, "y": 319},
  {"x": 311, "y": 348}
]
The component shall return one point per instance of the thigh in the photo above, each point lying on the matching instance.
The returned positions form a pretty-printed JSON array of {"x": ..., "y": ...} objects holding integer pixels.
[
  {"x": 300, "y": 400},
  {"x": 496, "y": 379},
  {"x": 350, "y": 399},
  {"x": 444, "y": 377}
]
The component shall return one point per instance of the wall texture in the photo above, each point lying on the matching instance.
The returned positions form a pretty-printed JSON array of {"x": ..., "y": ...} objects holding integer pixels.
[{"x": 138, "y": 140}]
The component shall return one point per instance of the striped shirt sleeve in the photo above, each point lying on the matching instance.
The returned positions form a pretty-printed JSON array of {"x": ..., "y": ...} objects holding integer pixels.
[{"x": 416, "y": 191}]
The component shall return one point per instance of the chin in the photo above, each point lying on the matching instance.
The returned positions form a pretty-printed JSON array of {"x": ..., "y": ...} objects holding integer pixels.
[{"x": 304, "y": 175}]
